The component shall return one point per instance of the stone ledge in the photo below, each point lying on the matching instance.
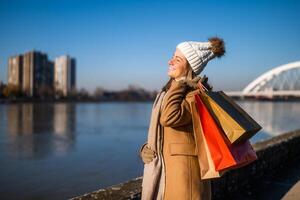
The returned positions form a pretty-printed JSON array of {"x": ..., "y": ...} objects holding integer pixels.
[{"x": 284, "y": 146}]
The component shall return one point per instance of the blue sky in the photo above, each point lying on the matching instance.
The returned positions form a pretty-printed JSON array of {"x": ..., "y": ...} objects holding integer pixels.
[{"x": 117, "y": 43}]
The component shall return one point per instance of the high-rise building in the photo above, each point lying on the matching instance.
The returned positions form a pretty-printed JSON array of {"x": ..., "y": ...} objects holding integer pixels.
[
  {"x": 37, "y": 73},
  {"x": 64, "y": 74},
  {"x": 34, "y": 74},
  {"x": 15, "y": 71}
]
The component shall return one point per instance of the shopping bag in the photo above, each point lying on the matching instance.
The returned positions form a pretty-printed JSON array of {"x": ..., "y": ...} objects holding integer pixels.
[
  {"x": 235, "y": 122},
  {"x": 219, "y": 145},
  {"x": 220, "y": 153},
  {"x": 242, "y": 152},
  {"x": 206, "y": 164}
]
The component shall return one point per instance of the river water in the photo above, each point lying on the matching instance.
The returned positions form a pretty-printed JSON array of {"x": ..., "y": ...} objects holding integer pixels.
[{"x": 61, "y": 150}]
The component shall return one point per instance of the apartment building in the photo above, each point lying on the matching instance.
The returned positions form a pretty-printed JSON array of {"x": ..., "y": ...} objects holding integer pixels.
[{"x": 64, "y": 74}]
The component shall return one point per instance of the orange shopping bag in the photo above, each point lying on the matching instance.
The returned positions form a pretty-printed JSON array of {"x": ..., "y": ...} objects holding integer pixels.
[
  {"x": 225, "y": 155},
  {"x": 206, "y": 164},
  {"x": 220, "y": 153}
]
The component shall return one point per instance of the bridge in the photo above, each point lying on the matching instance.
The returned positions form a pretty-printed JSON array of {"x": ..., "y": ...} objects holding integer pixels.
[{"x": 280, "y": 82}]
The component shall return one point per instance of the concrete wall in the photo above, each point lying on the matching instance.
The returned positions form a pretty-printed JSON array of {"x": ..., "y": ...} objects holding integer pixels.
[{"x": 273, "y": 154}]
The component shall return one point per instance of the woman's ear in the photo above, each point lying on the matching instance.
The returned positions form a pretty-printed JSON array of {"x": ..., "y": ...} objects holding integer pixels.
[{"x": 189, "y": 74}]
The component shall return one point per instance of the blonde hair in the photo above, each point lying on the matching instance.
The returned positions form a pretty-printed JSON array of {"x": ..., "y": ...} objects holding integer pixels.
[{"x": 190, "y": 75}]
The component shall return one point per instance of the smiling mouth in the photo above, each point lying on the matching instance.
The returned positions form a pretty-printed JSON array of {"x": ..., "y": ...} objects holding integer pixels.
[{"x": 171, "y": 68}]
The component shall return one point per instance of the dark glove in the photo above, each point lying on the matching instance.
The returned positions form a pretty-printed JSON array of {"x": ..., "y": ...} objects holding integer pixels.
[
  {"x": 194, "y": 83},
  {"x": 203, "y": 81}
]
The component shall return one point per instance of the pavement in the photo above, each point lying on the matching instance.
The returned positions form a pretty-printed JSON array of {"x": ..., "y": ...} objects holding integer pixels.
[
  {"x": 285, "y": 185},
  {"x": 293, "y": 193}
]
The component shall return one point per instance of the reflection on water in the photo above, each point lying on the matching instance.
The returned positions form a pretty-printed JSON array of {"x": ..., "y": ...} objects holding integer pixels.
[
  {"x": 37, "y": 130},
  {"x": 275, "y": 117},
  {"x": 40, "y": 158}
]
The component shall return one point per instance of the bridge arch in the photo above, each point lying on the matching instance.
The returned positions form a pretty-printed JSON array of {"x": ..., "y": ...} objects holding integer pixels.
[{"x": 270, "y": 77}]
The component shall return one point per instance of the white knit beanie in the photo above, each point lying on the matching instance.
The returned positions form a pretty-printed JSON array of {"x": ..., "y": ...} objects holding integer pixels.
[{"x": 199, "y": 53}]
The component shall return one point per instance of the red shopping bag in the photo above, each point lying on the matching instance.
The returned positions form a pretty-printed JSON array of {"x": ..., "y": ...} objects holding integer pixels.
[
  {"x": 224, "y": 154},
  {"x": 220, "y": 153}
]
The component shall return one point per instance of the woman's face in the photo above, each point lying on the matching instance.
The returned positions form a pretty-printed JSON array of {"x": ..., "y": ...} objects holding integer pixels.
[{"x": 178, "y": 65}]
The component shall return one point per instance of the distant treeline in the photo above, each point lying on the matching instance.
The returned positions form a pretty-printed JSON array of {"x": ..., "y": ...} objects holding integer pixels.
[{"x": 10, "y": 93}]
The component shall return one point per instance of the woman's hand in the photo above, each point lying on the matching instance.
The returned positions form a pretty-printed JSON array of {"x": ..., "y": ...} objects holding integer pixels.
[
  {"x": 203, "y": 82},
  {"x": 189, "y": 82},
  {"x": 201, "y": 86},
  {"x": 197, "y": 83},
  {"x": 147, "y": 154}
]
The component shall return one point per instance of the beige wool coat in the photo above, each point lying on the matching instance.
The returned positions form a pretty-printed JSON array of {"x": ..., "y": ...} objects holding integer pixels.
[{"x": 182, "y": 173}]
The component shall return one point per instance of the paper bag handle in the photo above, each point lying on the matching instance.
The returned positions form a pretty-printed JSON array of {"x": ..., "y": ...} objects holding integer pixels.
[{"x": 200, "y": 85}]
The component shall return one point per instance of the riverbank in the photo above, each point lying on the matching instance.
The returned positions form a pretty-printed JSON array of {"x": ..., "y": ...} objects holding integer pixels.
[
  {"x": 91, "y": 100},
  {"x": 16, "y": 101},
  {"x": 278, "y": 156}
]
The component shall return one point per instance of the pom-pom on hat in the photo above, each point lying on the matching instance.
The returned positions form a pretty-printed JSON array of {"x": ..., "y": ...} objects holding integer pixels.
[{"x": 199, "y": 53}]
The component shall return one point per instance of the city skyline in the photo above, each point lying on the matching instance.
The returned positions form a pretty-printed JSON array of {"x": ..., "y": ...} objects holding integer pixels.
[
  {"x": 121, "y": 43},
  {"x": 33, "y": 74}
]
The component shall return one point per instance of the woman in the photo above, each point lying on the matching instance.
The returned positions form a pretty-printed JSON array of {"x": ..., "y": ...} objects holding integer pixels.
[{"x": 171, "y": 170}]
